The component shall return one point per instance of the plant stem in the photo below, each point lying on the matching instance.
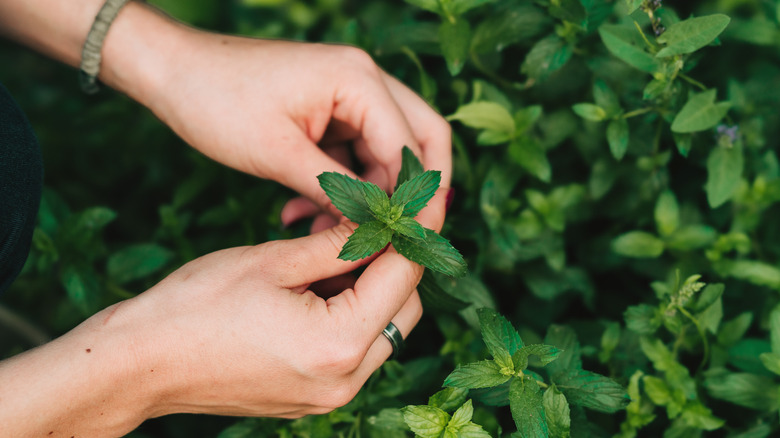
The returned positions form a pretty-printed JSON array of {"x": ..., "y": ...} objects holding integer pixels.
[
  {"x": 692, "y": 81},
  {"x": 702, "y": 334}
]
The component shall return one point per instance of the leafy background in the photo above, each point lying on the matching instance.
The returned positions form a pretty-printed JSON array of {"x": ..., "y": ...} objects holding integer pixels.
[{"x": 607, "y": 154}]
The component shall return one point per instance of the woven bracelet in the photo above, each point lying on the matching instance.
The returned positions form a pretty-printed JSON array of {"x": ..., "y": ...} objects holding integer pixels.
[{"x": 90, "y": 53}]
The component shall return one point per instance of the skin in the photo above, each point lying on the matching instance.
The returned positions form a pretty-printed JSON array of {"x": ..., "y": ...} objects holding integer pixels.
[{"x": 280, "y": 329}]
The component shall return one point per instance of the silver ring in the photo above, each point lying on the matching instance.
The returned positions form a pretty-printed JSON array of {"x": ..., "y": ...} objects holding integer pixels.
[{"x": 393, "y": 335}]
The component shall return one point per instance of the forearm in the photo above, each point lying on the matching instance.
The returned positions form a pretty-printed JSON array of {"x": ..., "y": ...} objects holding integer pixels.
[
  {"x": 88, "y": 383},
  {"x": 135, "y": 51}
]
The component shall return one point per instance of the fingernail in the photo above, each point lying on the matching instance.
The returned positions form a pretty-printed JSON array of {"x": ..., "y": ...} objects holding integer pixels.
[{"x": 450, "y": 197}]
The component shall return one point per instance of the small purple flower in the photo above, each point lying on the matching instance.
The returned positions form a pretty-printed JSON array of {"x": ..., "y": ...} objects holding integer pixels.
[
  {"x": 729, "y": 133},
  {"x": 658, "y": 30}
]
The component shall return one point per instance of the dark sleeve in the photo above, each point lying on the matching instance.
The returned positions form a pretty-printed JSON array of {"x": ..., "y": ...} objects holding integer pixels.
[{"x": 21, "y": 178}]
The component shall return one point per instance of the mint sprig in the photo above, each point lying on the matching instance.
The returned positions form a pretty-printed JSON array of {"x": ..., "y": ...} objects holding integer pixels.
[{"x": 384, "y": 219}]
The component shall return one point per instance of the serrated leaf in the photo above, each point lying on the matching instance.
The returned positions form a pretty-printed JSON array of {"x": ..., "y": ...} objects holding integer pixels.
[
  {"x": 525, "y": 402},
  {"x": 367, "y": 239},
  {"x": 462, "y": 416},
  {"x": 346, "y": 194},
  {"x": 699, "y": 113},
  {"x": 435, "y": 252},
  {"x": 414, "y": 194},
  {"x": 410, "y": 167},
  {"x": 593, "y": 391},
  {"x": 483, "y": 374},
  {"x": 692, "y": 34},
  {"x": 530, "y": 155},
  {"x": 455, "y": 39},
  {"x": 485, "y": 115},
  {"x": 472, "y": 430},
  {"x": 724, "y": 172},
  {"x": 497, "y": 332},
  {"x": 425, "y": 421},
  {"x": 589, "y": 111},
  {"x": 743, "y": 389},
  {"x": 545, "y": 353},
  {"x": 638, "y": 244},
  {"x": 626, "y": 44},
  {"x": 377, "y": 201},
  {"x": 408, "y": 227},
  {"x": 556, "y": 409},
  {"x": 137, "y": 261},
  {"x": 617, "y": 137},
  {"x": 448, "y": 399},
  {"x": 547, "y": 56}
]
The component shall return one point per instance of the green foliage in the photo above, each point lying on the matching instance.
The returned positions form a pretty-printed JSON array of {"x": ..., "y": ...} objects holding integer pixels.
[{"x": 616, "y": 187}]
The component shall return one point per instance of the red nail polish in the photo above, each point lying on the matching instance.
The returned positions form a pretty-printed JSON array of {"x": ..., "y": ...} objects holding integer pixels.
[{"x": 450, "y": 197}]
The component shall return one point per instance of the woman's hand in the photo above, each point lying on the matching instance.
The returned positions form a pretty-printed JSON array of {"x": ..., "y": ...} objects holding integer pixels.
[{"x": 237, "y": 332}]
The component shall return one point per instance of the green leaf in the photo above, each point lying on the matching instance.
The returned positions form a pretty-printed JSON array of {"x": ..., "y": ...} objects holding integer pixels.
[
  {"x": 556, "y": 410},
  {"x": 593, "y": 391},
  {"x": 638, "y": 244},
  {"x": 462, "y": 416},
  {"x": 455, "y": 39},
  {"x": 471, "y": 430},
  {"x": 137, "y": 261},
  {"x": 700, "y": 112},
  {"x": 699, "y": 416},
  {"x": 81, "y": 284},
  {"x": 633, "y": 5},
  {"x": 497, "y": 332},
  {"x": 378, "y": 202},
  {"x": 95, "y": 218},
  {"x": 771, "y": 362},
  {"x": 748, "y": 390},
  {"x": 433, "y": 296},
  {"x": 643, "y": 319},
  {"x": 448, "y": 399},
  {"x": 691, "y": 237},
  {"x": 408, "y": 227},
  {"x": 617, "y": 137},
  {"x": 759, "y": 273},
  {"x": 566, "y": 340},
  {"x": 724, "y": 172},
  {"x": 511, "y": 23},
  {"x": 606, "y": 98},
  {"x": 414, "y": 194},
  {"x": 485, "y": 115},
  {"x": 667, "y": 213},
  {"x": 435, "y": 252},
  {"x": 626, "y": 44},
  {"x": 732, "y": 331},
  {"x": 346, "y": 194},
  {"x": 367, "y": 239},
  {"x": 484, "y": 374},
  {"x": 459, "y": 7},
  {"x": 410, "y": 167},
  {"x": 590, "y": 111},
  {"x": 529, "y": 154},
  {"x": 692, "y": 34},
  {"x": 774, "y": 329},
  {"x": 525, "y": 402},
  {"x": 545, "y": 353},
  {"x": 425, "y": 421},
  {"x": 546, "y": 57},
  {"x": 569, "y": 10}
]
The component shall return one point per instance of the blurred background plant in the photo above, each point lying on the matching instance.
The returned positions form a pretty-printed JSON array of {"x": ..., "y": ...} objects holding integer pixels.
[{"x": 617, "y": 193}]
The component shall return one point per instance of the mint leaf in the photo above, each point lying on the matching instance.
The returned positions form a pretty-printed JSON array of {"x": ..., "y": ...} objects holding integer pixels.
[
  {"x": 483, "y": 374},
  {"x": 556, "y": 410},
  {"x": 471, "y": 430},
  {"x": 410, "y": 167},
  {"x": 377, "y": 201},
  {"x": 545, "y": 353},
  {"x": 346, "y": 194},
  {"x": 435, "y": 253},
  {"x": 425, "y": 421},
  {"x": 525, "y": 402},
  {"x": 594, "y": 391},
  {"x": 498, "y": 333},
  {"x": 408, "y": 227},
  {"x": 448, "y": 398},
  {"x": 414, "y": 194},
  {"x": 366, "y": 240},
  {"x": 462, "y": 416}
]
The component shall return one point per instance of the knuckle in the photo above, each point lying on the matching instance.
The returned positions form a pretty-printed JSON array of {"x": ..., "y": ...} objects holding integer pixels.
[
  {"x": 360, "y": 59},
  {"x": 340, "y": 396}
]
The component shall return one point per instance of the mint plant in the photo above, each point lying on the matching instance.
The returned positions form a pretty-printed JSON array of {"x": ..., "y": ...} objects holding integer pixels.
[{"x": 382, "y": 219}]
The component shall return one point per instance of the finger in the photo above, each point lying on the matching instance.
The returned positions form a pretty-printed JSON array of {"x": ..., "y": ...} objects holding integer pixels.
[
  {"x": 432, "y": 132},
  {"x": 406, "y": 319},
  {"x": 296, "y": 209},
  {"x": 366, "y": 106},
  {"x": 322, "y": 222},
  {"x": 308, "y": 259}
]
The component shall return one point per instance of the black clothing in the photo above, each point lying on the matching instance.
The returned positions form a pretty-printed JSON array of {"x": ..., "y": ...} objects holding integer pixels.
[{"x": 21, "y": 180}]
